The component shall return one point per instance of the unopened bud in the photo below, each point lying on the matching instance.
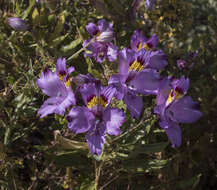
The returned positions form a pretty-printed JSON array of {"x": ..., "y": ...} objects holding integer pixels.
[
  {"x": 17, "y": 24},
  {"x": 106, "y": 36}
]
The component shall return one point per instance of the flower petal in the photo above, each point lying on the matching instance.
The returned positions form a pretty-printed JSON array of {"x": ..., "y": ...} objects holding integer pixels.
[
  {"x": 173, "y": 132},
  {"x": 92, "y": 29},
  {"x": 146, "y": 82},
  {"x": 61, "y": 66},
  {"x": 136, "y": 39},
  {"x": 80, "y": 119},
  {"x": 96, "y": 139},
  {"x": 126, "y": 56},
  {"x": 51, "y": 85},
  {"x": 185, "y": 110},
  {"x": 112, "y": 52},
  {"x": 113, "y": 118},
  {"x": 134, "y": 103},
  {"x": 158, "y": 60}
]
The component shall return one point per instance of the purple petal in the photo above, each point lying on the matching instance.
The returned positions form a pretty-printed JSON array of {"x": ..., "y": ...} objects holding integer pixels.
[
  {"x": 163, "y": 91},
  {"x": 112, "y": 52},
  {"x": 126, "y": 56},
  {"x": 117, "y": 81},
  {"x": 104, "y": 26},
  {"x": 149, "y": 4},
  {"x": 87, "y": 91},
  {"x": 157, "y": 60},
  {"x": 152, "y": 42},
  {"x": 106, "y": 36},
  {"x": 61, "y": 66},
  {"x": 49, "y": 107},
  {"x": 80, "y": 119},
  {"x": 136, "y": 39},
  {"x": 96, "y": 138},
  {"x": 173, "y": 132},
  {"x": 185, "y": 110},
  {"x": 113, "y": 118},
  {"x": 17, "y": 24},
  {"x": 71, "y": 69},
  {"x": 181, "y": 85},
  {"x": 51, "y": 85},
  {"x": 134, "y": 103},
  {"x": 92, "y": 29},
  {"x": 146, "y": 82},
  {"x": 107, "y": 93}
]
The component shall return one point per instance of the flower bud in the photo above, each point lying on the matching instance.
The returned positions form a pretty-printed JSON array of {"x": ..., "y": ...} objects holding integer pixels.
[
  {"x": 17, "y": 24},
  {"x": 106, "y": 36}
]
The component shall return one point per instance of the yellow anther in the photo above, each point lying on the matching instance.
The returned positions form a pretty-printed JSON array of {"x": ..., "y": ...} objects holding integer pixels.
[
  {"x": 61, "y": 77},
  {"x": 178, "y": 95},
  {"x": 171, "y": 97},
  {"x": 67, "y": 83},
  {"x": 139, "y": 46},
  {"x": 96, "y": 101},
  {"x": 146, "y": 47},
  {"x": 136, "y": 66}
]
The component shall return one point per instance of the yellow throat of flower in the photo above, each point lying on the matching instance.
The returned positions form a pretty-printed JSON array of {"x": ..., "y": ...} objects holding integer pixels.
[
  {"x": 67, "y": 83},
  {"x": 174, "y": 95},
  {"x": 96, "y": 101},
  {"x": 145, "y": 46},
  {"x": 61, "y": 77},
  {"x": 136, "y": 66}
]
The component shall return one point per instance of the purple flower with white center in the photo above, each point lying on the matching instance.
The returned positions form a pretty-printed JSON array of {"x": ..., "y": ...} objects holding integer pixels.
[
  {"x": 150, "y": 4},
  {"x": 138, "y": 41},
  {"x": 101, "y": 47},
  {"x": 96, "y": 118},
  {"x": 174, "y": 108},
  {"x": 18, "y": 24},
  {"x": 61, "y": 95},
  {"x": 136, "y": 76}
]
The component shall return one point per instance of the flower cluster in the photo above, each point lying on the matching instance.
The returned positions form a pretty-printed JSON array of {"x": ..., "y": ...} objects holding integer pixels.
[{"x": 138, "y": 75}]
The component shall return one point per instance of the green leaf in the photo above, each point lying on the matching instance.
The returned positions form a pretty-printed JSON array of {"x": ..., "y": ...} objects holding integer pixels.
[
  {"x": 29, "y": 9},
  {"x": 64, "y": 143},
  {"x": 71, "y": 46}
]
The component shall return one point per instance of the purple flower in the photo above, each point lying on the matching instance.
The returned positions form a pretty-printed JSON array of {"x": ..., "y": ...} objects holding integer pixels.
[
  {"x": 96, "y": 118},
  {"x": 17, "y": 24},
  {"x": 103, "y": 32},
  {"x": 150, "y": 4},
  {"x": 136, "y": 75},
  {"x": 57, "y": 86},
  {"x": 182, "y": 64},
  {"x": 101, "y": 47},
  {"x": 101, "y": 51},
  {"x": 173, "y": 107},
  {"x": 138, "y": 41},
  {"x": 185, "y": 63},
  {"x": 61, "y": 70}
]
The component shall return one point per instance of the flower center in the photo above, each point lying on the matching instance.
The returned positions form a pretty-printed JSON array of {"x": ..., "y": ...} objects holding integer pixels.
[
  {"x": 136, "y": 66},
  {"x": 174, "y": 95},
  {"x": 61, "y": 75},
  {"x": 147, "y": 46},
  {"x": 94, "y": 100}
]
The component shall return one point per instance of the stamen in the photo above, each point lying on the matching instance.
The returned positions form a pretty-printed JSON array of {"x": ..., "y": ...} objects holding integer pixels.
[
  {"x": 136, "y": 66},
  {"x": 93, "y": 101},
  {"x": 139, "y": 46},
  {"x": 174, "y": 95},
  {"x": 67, "y": 83},
  {"x": 147, "y": 46},
  {"x": 61, "y": 77}
]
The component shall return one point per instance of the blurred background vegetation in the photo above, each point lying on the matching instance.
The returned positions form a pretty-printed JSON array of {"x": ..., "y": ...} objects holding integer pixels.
[{"x": 42, "y": 153}]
